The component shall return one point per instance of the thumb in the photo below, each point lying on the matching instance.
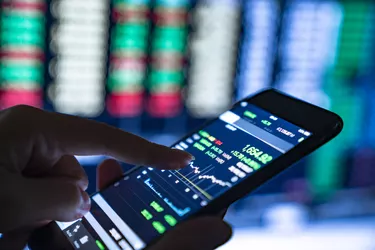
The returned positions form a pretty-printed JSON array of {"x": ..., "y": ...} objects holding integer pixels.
[
  {"x": 30, "y": 201},
  {"x": 204, "y": 233}
]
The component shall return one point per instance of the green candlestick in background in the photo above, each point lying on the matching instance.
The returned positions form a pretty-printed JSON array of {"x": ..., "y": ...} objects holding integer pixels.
[{"x": 326, "y": 170}]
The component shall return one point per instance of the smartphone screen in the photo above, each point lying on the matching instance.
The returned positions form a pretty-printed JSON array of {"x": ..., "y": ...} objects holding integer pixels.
[{"x": 148, "y": 202}]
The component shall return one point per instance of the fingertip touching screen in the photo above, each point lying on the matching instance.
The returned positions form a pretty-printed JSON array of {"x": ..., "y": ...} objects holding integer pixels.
[{"x": 148, "y": 202}]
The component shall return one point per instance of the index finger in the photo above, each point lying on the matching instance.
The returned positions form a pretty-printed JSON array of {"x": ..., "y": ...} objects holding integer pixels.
[{"x": 79, "y": 136}]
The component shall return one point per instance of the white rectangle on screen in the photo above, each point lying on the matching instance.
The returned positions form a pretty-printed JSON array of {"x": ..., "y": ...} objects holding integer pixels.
[
  {"x": 101, "y": 232},
  {"x": 129, "y": 234},
  {"x": 229, "y": 117},
  {"x": 124, "y": 245},
  {"x": 64, "y": 225}
]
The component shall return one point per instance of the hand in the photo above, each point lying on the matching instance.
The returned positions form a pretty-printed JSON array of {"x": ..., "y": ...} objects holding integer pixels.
[
  {"x": 41, "y": 180},
  {"x": 203, "y": 233}
]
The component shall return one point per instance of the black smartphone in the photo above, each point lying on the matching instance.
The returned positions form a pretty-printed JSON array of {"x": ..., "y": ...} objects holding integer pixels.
[{"x": 234, "y": 154}]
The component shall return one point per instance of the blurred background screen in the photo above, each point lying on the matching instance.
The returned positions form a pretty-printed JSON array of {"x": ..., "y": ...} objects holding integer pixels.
[{"x": 159, "y": 68}]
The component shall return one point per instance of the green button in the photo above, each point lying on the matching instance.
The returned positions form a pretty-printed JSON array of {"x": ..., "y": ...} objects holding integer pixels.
[
  {"x": 267, "y": 123},
  {"x": 157, "y": 207},
  {"x": 100, "y": 245},
  {"x": 204, "y": 133},
  {"x": 158, "y": 227},
  {"x": 146, "y": 214},
  {"x": 170, "y": 220},
  {"x": 249, "y": 114}
]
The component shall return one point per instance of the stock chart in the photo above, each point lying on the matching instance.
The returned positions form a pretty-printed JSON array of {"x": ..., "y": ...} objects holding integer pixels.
[
  {"x": 159, "y": 68},
  {"x": 226, "y": 151}
]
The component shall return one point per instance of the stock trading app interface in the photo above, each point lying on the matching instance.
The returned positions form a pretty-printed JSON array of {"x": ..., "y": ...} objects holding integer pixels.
[{"x": 149, "y": 202}]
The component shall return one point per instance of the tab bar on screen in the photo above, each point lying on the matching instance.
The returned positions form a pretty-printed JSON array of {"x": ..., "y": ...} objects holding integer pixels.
[
  {"x": 268, "y": 138},
  {"x": 108, "y": 241},
  {"x": 134, "y": 240}
]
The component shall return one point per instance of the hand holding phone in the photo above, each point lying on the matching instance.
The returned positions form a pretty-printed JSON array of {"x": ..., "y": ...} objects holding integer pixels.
[
  {"x": 40, "y": 179},
  {"x": 234, "y": 154}
]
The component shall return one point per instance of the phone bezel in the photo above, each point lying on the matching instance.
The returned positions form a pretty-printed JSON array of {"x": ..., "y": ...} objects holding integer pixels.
[{"x": 323, "y": 124}]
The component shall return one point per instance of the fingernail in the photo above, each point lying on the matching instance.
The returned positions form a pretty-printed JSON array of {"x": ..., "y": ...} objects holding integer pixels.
[
  {"x": 83, "y": 184},
  {"x": 85, "y": 205},
  {"x": 86, "y": 202},
  {"x": 188, "y": 158},
  {"x": 186, "y": 154},
  {"x": 183, "y": 159},
  {"x": 174, "y": 166}
]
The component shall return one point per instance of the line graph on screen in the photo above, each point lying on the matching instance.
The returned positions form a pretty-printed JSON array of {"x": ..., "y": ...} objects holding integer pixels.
[{"x": 194, "y": 176}]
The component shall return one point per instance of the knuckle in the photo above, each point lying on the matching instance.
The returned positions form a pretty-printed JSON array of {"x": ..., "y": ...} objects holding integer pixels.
[
  {"x": 22, "y": 111},
  {"x": 20, "y": 121},
  {"x": 22, "y": 108},
  {"x": 21, "y": 114}
]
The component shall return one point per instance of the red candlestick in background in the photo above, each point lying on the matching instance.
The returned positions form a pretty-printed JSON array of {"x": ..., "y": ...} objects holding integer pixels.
[
  {"x": 22, "y": 52},
  {"x": 169, "y": 43},
  {"x": 128, "y": 58}
]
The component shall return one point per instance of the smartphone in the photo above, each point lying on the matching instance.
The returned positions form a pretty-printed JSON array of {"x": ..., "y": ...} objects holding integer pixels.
[{"x": 234, "y": 154}]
